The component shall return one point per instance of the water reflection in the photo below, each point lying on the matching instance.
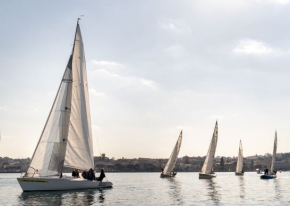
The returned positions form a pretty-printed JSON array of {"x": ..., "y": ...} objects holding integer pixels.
[
  {"x": 81, "y": 197},
  {"x": 242, "y": 187},
  {"x": 175, "y": 191},
  {"x": 278, "y": 194},
  {"x": 212, "y": 190}
]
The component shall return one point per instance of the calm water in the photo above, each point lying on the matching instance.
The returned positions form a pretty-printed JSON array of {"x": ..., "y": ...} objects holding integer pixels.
[{"x": 149, "y": 189}]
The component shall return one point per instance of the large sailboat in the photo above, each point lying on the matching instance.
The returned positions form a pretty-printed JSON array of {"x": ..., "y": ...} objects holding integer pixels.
[
  {"x": 168, "y": 170},
  {"x": 272, "y": 173},
  {"x": 208, "y": 165},
  {"x": 239, "y": 168},
  {"x": 66, "y": 140}
]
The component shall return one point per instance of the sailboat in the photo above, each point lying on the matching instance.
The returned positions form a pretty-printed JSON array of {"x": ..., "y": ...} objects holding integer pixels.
[
  {"x": 239, "y": 168},
  {"x": 168, "y": 170},
  {"x": 272, "y": 173},
  {"x": 66, "y": 140},
  {"x": 208, "y": 165}
]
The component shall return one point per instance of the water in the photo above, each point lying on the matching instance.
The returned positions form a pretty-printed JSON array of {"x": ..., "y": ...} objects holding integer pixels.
[{"x": 149, "y": 189}]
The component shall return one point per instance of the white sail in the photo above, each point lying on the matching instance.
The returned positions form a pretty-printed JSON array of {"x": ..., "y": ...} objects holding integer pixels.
[
  {"x": 79, "y": 152},
  {"x": 66, "y": 139},
  {"x": 173, "y": 157},
  {"x": 239, "y": 167},
  {"x": 274, "y": 154},
  {"x": 48, "y": 157},
  {"x": 209, "y": 160}
]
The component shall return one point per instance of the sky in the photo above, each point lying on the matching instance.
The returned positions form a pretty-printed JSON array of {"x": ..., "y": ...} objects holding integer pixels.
[{"x": 154, "y": 68}]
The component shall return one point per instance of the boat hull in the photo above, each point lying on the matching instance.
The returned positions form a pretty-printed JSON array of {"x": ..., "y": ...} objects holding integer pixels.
[
  {"x": 266, "y": 177},
  {"x": 239, "y": 173},
  {"x": 56, "y": 184},
  {"x": 206, "y": 176},
  {"x": 167, "y": 175}
]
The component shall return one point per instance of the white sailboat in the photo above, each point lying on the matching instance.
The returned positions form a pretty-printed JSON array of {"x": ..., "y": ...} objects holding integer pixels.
[
  {"x": 239, "y": 168},
  {"x": 168, "y": 170},
  {"x": 272, "y": 173},
  {"x": 208, "y": 165},
  {"x": 66, "y": 139}
]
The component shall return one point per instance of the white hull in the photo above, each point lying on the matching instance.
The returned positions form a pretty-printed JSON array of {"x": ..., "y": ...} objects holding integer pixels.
[
  {"x": 206, "y": 176},
  {"x": 55, "y": 183}
]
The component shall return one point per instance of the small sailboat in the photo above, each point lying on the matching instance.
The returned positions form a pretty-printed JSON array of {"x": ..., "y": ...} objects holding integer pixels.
[
  {"x": 239, "y": 168},
  {"x": 207, "y": 170},
  {"x": 272, "y": 173},
  {"x": 168, "y": 170},
  {"x": 66, "y": 140}
]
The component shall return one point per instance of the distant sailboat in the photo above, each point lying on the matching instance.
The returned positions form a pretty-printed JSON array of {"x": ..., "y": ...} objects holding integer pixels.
[
  {"x": 168, "y": 170},
  {"x": 239, "y": 168},
  {"x": 272, "y": 173},
  {"x": 208, "y": 166},
  {"x": 66, "y": 139}
]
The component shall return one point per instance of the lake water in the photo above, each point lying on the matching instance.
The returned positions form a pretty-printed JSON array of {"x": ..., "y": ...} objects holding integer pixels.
[{"x": 149, "y": 189}]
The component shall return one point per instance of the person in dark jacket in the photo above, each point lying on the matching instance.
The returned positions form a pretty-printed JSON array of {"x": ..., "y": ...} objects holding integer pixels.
[
  {"x": 102, "y": 176},
  {"x": 91, "y": 175}
]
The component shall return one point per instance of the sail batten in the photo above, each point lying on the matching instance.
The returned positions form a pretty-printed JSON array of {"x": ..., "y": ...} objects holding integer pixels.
[
  {"x": 173, "y": 157},
  {"x": 208, "y": 165}
]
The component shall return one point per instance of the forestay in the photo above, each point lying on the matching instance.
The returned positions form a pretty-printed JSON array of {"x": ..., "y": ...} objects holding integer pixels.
[
  {"x": 239, "y": 167},
  {"x": 209, "y": 161},
  {"x": 173, "y": 157}
]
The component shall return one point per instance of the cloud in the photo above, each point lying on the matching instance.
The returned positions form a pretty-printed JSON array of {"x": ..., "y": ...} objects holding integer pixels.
[
  {"x": 283, "y": 2},
  {"x": 176, "y": 51},
  {"x": 252, "y": 47},
  {"x": 177, "y": 26},
  {"x": 95, "y": 93},
  {"x": 126, "y": 80},
  {"x": 3, "y": 108},
  {"x": 105, "y": 64}
]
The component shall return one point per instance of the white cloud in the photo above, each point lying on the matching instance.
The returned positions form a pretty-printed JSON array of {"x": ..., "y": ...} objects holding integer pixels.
[
  {"x": 176, "y": 51},
  {"x": 283, "y": 2},
  {"x": 107, "y": 64},
  {"x": 3, "y": 107},
  {"x": 177, "y": 26},
  {"x": 95, "y": 93},
  {"x": 252, "y": 47},
  {"x": 127, "y": 80}
]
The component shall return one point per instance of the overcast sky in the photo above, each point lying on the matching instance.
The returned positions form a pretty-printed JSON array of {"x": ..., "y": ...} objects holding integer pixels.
[{"x": 154, "y": 68}]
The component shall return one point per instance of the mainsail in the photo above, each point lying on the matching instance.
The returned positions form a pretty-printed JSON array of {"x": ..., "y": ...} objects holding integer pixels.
[
  {"x": 209, "y": 161},
  {"x": 173, "y": 158},
  {"x": 239, "y": 168},
  {"x": 274, "y": 154},
  {"x": 67, "y": 138}
]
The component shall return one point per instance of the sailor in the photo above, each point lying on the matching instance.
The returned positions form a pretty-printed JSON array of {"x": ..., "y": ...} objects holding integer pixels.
[
  {"x": 102, "y": 175},
  {"x": 74, "y": 174}
]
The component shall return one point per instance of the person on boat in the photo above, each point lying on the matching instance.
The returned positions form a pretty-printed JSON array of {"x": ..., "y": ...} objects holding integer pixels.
[
  {"x": 266, "y": 171},
  {"x": 77, "y": 174},
  {"x": 102, "y": 176},
  {"x": 91, "y": 175},
  {"x": 85, "y": 174},
  {"x": 74, "y": 173}
]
